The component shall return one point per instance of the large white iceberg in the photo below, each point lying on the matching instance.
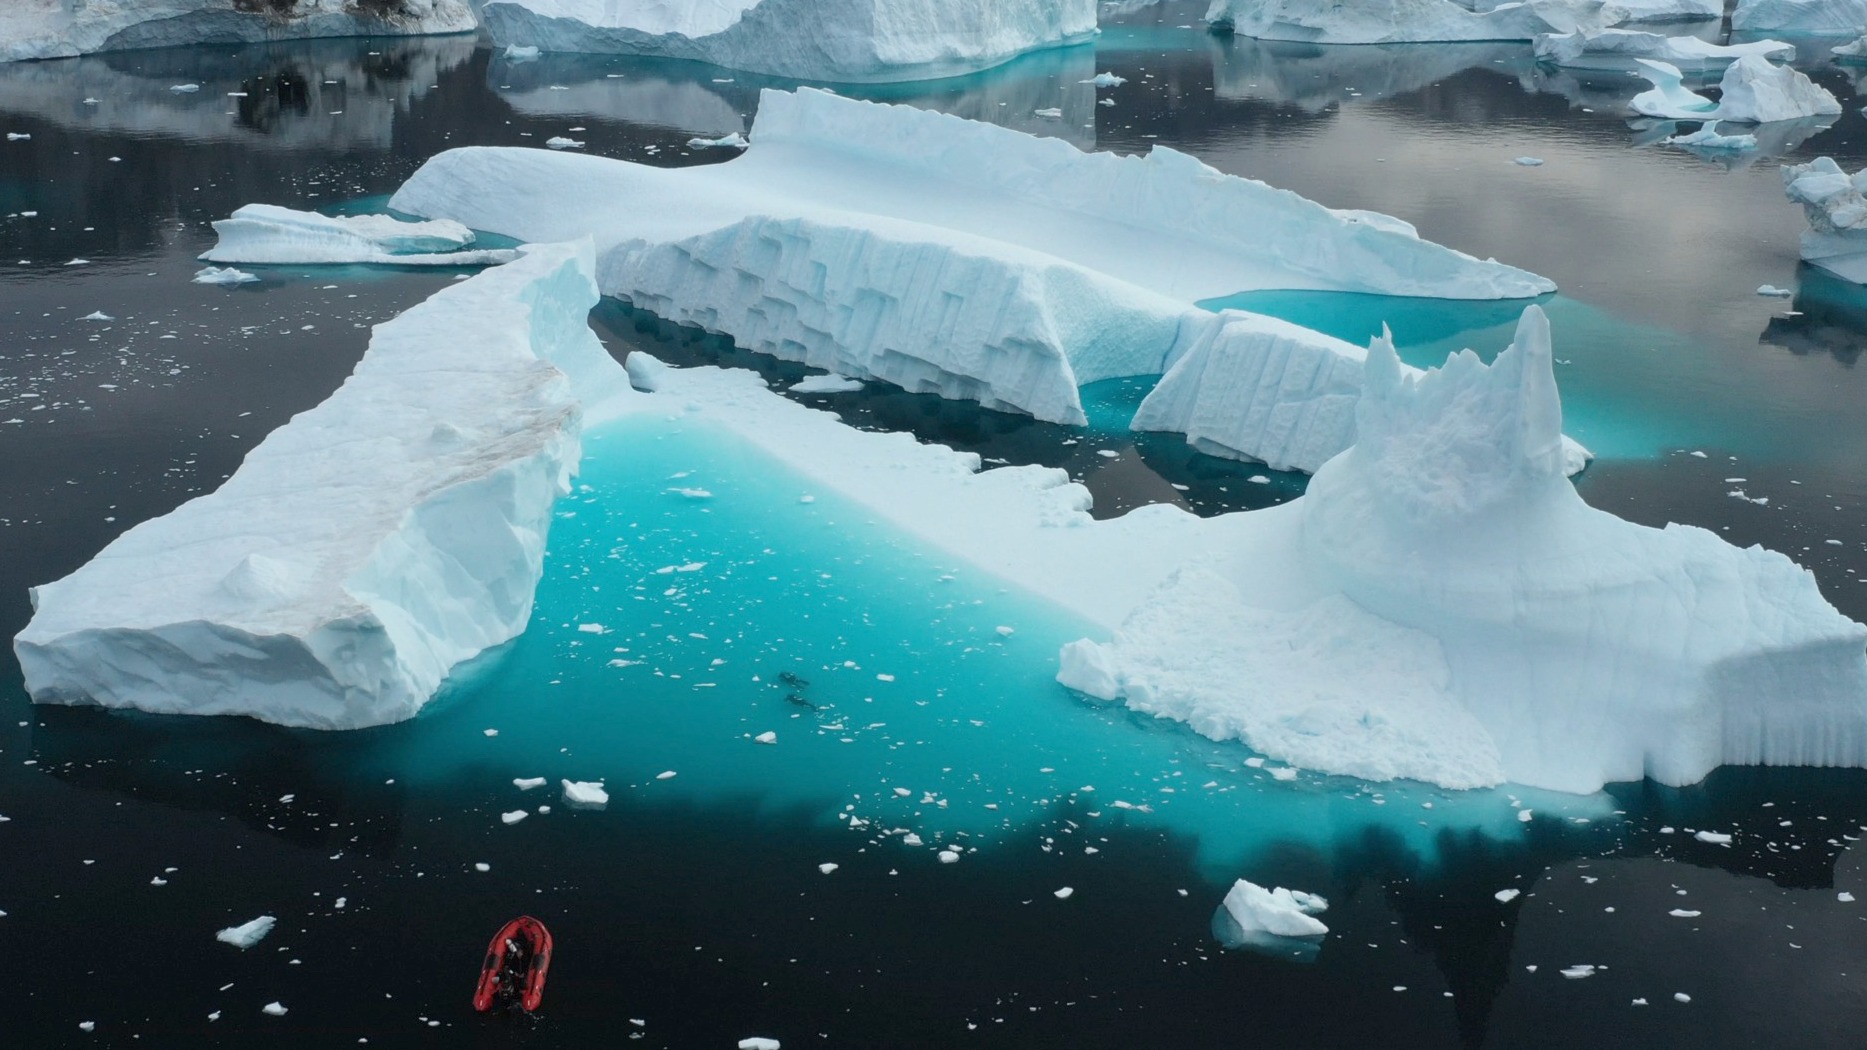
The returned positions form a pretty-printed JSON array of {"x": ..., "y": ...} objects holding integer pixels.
[
  {"x": 32, "y": 29},
  {"x": 1814, "y": 17},
  {"x": 1441, "y": 605},
  {"x": 944, "y": 255},
  {"x": 837, "y": 40},
  {"x": 366, "y": 547},
  {"x": 1753, "y": 90},
  {"x": 1836, "y": 239},
  {"x": 1616, "y": 49},
  {"x": 1406, "y": 21},
  {"x": 267, "y": 233}
]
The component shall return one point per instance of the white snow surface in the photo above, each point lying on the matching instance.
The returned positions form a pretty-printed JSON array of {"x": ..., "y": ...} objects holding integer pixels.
[
  {"x": 267, "y": 233},
  {"x": 247, "y": 934},
  {"x": 227, "y": 276},
  {"x": 1812, "y": 17},
  {"x": 1669, "y": 10},
  {"x": 832, "y": 40},
  {"x": 1407, "y": 21},
  {"x": 585, "y": 794},
  {"x": 945, "y": 255},
  {"x": 1753, "y": 91},
  {"x": 367, "y": 546},
  {"x": 1833, "y": 201},
  {"x": 1614, "y": 49},
  {"x": 1274, "y": 912},
  {"x": 34, "y": 29}
]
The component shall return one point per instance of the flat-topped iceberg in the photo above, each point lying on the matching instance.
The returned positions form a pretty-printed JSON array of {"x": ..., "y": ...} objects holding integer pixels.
[
  {"x": 1406, "y": 21},
  {"x": 834, "y": 40},
  {"x": 1813, "y": 17},
  {"x": 266, "y": 233},
  {"x": 1753, "y": 91},
  {"x": 945, "y": 255},
  {"x": 1441, "y": 605},
  {"x": 1836, "y": 239},
  {"x": 366, "y": 547},
  {"x": 31, "y": 29},
  {"x": 1614, "y": 49}
]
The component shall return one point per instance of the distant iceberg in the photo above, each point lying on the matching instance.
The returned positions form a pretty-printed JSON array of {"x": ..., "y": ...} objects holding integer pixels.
[
  {"x": 366, "y": 547},
  {"x": 1753, "y": 91},
  {"x": 828, "y": 40},
  {"x": 1616, "y": 49},
  {"x": 1406, "y": 21},
  {"x": 33, "y": 29},
  {"x": 266, "y": 233},
  {"x": 944, "y": 255},
  {"x": 1813, "y": 17},
  {"x": 1836, "y": 239}
]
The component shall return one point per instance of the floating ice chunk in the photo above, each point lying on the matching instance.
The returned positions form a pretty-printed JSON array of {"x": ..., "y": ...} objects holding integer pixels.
[
  {"x": 948, "y": 856},
  {"x": 528, "y": 783},
  {"x": 273, "y": 1009},
  {"x": 1845, "y": 897},
  {"x": 1576, "y": 973},
  {"x": 585, "y": 794},
  {"x": 1107, "y": 80},
  {"x": 758, "y": 1043},
  {"x": 1525, "y": 816},
  {"x": 1852, "y": 53},
  {"x": 560, "y": 142},
  {"x": 1048, "y": 114},
  {"x": 1682, "y": 913},
  {"x": 513, "y": 816},
  {"x": 1528, "y": 162},
  {"x": 665, "y": 775},
  {"x": 1507, "y": 895},
  {"x": 227, "y": 276},
  {"x": 185, "y": 89},
  {"x": 1753, "y": 91},
  {"x": 1810, "y": 17},
  {"x": 1773, "y": 292},
  {"x": 1681, "y": 997},
  {"x": 17, "y": 136},
  {"x": 87, "y": 1026},
  {"x": 1836, "y": 239},
  {"x": 1713, "y": 837},
  {"x": 247, "y": 934},
  {"x": 1064, "y": 893},
  {"x": 767, "y": 737},
  {"x": 521, "y": 53},
  {"x": 1709, "y": 140},
  {"x": 1617, "y": 49},
  {"x": 1669, "y": 97},
  {"x": 826, "y": 384},
  {"x": 97, "y": 315},
  {"x": 266, "y": 233},
  {"x": 1406, "y": 21},
  {"x": 832, "y": 40},
  {"x": 353, "y": 559},
  {"x": 735, "y": 140},
  {"x": 1252, "y": 916},
  {"x": 827, "y": 868}
]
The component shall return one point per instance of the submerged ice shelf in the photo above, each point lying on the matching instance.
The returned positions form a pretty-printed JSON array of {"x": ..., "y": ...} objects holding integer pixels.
[
  {"x": 366, "y": 547},
  {"x": 956, "y": 257}
]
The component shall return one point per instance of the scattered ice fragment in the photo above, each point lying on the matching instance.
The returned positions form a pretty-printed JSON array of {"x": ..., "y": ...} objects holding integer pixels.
[
  {"x": 83, "y": 1026},
  {"x": 1681, "y": 913},
  {"x": 560, "y": 142},
  {"x": 514, "y": 816},
  {"x": 15, "y": 136},
  {"x": 1713, "y": 837},
  {"x": 1524, "y": 815},
  {"x": 1681, "y": 997},
  {"x": 482, "y": 866},
  {"x": 185, "y": 89},
  {"x": 1507, "y": 895},
  {"x": 97, "y": 316},
  {"x": 732, "y": 141},
  {"x": 1049, "y": 114},
  {"x": 1529, "y": 162},
  {"x": 827, "y": 868},
  {"x": 1105, "y": 80},
  {"x": 223, "y": 276},
  {"x": 1064, "y": 893},
  {"x": 592, "y": 628},
  {"x": 831, "y": 383},
  {"x": 585, "y": 794},
  {"x": 665, "y": 775},
  {"x": 948, "y": 856},
  {"x": 1773, "y": 291},
  {"x": 1845, "y": 897},
  {"x": 758, "y": 1043},
  {"x": 767, "y": 737},
  {"x": 273, "y": 1009},
  {"x": 247, "y": 934},
  {"x": 1576, "y": 973},
  {"x": 490, "y": 732},
  {"x": 1004, "y": 632},
  {"x": 1284, "y": 773},
  {"x": 1251, "y": 915},
  {"x": 528, "y": 783}
]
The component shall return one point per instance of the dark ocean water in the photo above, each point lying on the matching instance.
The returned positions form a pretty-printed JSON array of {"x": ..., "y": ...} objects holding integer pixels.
[{"x": 697, "y": 907}]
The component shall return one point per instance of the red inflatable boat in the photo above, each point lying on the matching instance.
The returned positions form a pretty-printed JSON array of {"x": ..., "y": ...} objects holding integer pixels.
[{"x": 516, "y": 963}]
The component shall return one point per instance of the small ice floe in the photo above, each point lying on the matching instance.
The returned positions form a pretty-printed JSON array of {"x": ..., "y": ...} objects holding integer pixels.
[
  {"x": 1682, "y": 913},
  {"x": 767, "y": 737},
  {"x": 692, "y": 493},
  {"x": 513, "y": 816},
  {"x": 482, "y": 866},
  {"x": 585, "y": 794},
  {"x": 665, "y": 775},
  {"x": 1283, "y": 773},
  {"x": 1525, "y": 815},
  {"x": 949, "y": 856},
  {"x": 17, "y": 136},
  {"x": 758, "y": 1042},
  {"x": 273, "y": 1009},
  {"x": 1507, "y": 895},
  {"x": 223, "y": 276},
  {"x": 1845, "y": 897},
  {"x": 828, "y": 868},
  {"x": 528, "y": 783},
  {"x": 520, "y": 52},
  {"x": 247, "y": 934},
  {"x": 1105, "y": 80},
  {"x": 1773, "y": 291},
  {"x": 97, "y": 315},
  {"x": 87, "y": 1026},
  {"x": 592, "y": 628},
  {"x": 732, "y": 141},
  {"x": 1681, "y": 997},
  {"x": 490, "y": 732},
  {"x": 1278, "y": 920},
  {"x": 185, "y": 89},
  {"x": 1707, "y": 140},
  {"x": 1004, "y": 632},
  {"x": 1049, "y": 114},
  {"x": 1064, "y": 893},
  {"x": 1576, "y": 973},
  {"x": 560, "y": 142},
  {"x": 830, "y": 383},
  {"x": 1528, "y": 162},
  {"x": 1713, "y": 837},
  {"x": 1106, "y": 102}
]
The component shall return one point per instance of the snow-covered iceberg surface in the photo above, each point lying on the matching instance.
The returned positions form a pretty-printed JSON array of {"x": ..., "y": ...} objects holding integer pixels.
[
  {"x": 835, "y": 40},
  {"x": 32, "y": 29},
  {"x": 1662, "y": 10},
  {"x": 1754, "y": 91},
  {"x": 1440, "y": 605},
  {"x": 1616, "y": 49},
  {"x": 1406, "y": 21},
  {"x": 1277, "y": 920},
  {"x": 266, "y": 233},
  {"x": 1836, "y": 239},
  {"x": 944, "y": 255},
  {"x": 367, "y": 546},
  {"x": 1851, "y": 54},
  {"x": 1813, "y": 17}
]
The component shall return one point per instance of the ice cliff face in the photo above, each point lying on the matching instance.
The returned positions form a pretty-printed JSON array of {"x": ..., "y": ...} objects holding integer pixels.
[
  {"x": 1441, "y": 605},
  {"x": 1816, "y": 17},
  {"x": 1836, "y": 239},
  {"x": 366, "y": 547},
  {"x": 1407, "y": 21},
  {"x": 32, "y": 29},
  {"x": 835, "y": 40}
]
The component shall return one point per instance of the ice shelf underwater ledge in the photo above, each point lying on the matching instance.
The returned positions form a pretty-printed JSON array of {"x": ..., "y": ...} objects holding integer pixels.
[
  {"x": 367, "y": 546},
  {"x": 958, "y": 258}
]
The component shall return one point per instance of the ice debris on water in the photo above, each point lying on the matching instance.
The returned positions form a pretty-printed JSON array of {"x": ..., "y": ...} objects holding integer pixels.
[
  {"x": 1714, "y": 837},
  {"x": 528, "y": 783},
  {"x": 1528, "y": 162},
  {"x": 767, "y": 737},
  {"x": 758, "y": 1043},
  {"x": 827, "y": 867},
  {"x": 273, "y": 1009},
  {"x": 247, "y": 934},
  {"x": 1507, "y": 895},
  {"x": 585, "y": 794},
  {"x": 732, "y": 141},
  {"x": 226, "y": 276},
  {"x": 513, "y": 816},
  {"x": 830, "y": 383},
  {"x": 560, "y": 142},
  {"x": 1773, "y": 291}
]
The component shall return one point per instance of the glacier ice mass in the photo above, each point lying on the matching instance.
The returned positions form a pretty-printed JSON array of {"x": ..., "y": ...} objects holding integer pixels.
[
  {"x": 829, "y": 40},
  {"x": 35, "y": 29},
  {"x": 1833, "y": 201},
  {"x": 1813, "y": 17},
  {"x": 1615, "y": 49},
  {"x": 366, "y": 547},
  {"x": 945, "y": 255},
  {"x": 1753, "y": 91},
  {"x": 266, "y": 233},
  {"x": 1407, "y": 21}
]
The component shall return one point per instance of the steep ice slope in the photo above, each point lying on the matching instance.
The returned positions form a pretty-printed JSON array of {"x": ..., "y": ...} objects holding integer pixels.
[
  {"x": 32, "y": 29},
  {"x": 836, "y": 40},
  {"x": 945, "y": 255},
  {"x": 1406, "y": 21},
  {"x": 1442, "y": 606},
  {"x": 364, "y": 548},
  {"x": 1836, "y": 239}
]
